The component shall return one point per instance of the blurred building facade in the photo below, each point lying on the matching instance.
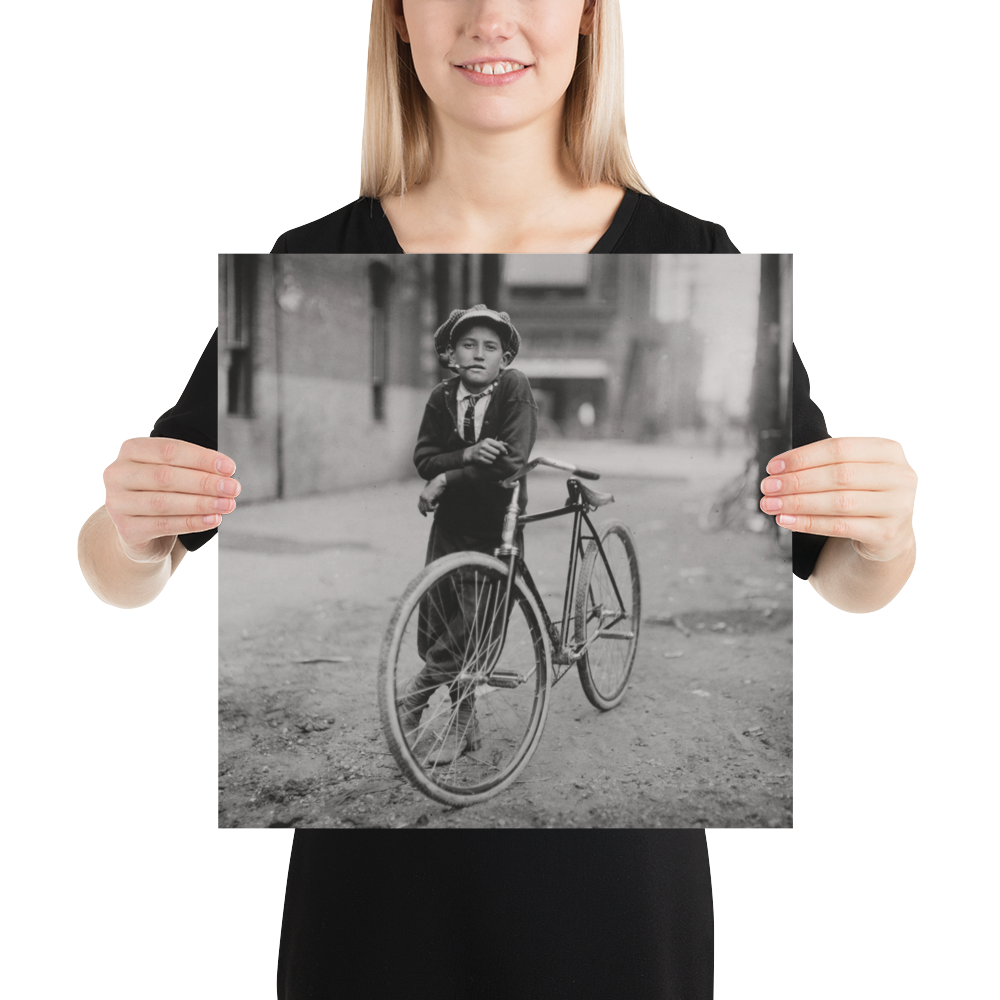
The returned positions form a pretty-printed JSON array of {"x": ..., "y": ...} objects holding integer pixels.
[
  {"x": 326, "y": 361},
  {"x": 322, "y": 369},
  {"x": 600, "y": 360}
]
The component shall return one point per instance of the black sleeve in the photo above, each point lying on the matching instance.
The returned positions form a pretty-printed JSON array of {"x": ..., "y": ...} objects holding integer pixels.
[
  {"x": 360, "y": 227},
  {"x": 721, "y": 243},
  {"x": 808, "y": 425},
  {"x": 195, "y": 418},
  {"x": 432, "y": 455}
]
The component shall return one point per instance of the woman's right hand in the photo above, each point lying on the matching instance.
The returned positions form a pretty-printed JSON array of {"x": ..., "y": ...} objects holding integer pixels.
[{"x": 159, "y": 488}]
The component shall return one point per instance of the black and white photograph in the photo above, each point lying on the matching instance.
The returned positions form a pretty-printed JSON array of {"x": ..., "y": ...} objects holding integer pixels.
[{"x": 617, "y": 654}]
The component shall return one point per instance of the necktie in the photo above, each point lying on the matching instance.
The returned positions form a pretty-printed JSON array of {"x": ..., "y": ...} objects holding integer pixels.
[{"x": 469, "y": 426}]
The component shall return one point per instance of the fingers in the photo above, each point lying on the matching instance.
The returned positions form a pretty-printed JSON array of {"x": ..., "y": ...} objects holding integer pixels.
[
  {"x": 181, "y": 454},
  {"x": 870, "y": 492},
  {"x": 173, "y": 479},
  {"x": 847, "y": 504},
  {"x": 834, "y": 451},
  {"x": 826, "y": 478},
  {"x": 486, "y": 452},
  {"x": 853, "y": 477},
  {"x": 159, "y": 487},
  {"x": 136, "y": 503},
  {"x": 173, "y": 466},
  {"x": 834, "y": 527},
  {"x": 857, "y": 488},
  {"x": 136, "y": 531}
]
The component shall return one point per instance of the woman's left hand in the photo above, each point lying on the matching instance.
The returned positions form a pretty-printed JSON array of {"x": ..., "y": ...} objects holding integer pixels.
[{"x": 861, "y": 489}]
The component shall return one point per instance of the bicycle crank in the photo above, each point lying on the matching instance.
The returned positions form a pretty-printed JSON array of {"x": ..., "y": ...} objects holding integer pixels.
[{"x": 498, "y": 679}]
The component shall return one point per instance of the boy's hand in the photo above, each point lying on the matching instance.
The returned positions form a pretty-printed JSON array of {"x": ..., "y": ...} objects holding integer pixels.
[
  {"x": 484, "y": 452},
  {"x": 159, "y": 488},
  {"x": 856, "y": 488},
  {"x": 428, "y": 501}
]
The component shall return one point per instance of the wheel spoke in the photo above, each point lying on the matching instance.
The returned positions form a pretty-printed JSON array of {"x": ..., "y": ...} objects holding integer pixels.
[{"x": 447, "y": 639}]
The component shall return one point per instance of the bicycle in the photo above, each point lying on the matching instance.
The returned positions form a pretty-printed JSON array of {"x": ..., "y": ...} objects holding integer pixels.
[{"x": 484, "y": 615}]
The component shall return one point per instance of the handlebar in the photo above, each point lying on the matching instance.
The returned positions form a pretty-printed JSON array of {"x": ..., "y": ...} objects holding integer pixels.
[{"x": 553, "y": 463}]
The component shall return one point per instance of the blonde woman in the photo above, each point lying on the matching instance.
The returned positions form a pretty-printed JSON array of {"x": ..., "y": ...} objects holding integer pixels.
[{"x": 499, "y": 126}]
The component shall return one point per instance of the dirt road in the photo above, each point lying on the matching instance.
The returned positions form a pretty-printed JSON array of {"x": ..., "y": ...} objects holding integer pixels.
[{"x": 703, "y": 737}]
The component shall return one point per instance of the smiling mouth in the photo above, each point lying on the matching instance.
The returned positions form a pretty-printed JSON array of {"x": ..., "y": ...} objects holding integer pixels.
[{"x": 492, "y": 68}]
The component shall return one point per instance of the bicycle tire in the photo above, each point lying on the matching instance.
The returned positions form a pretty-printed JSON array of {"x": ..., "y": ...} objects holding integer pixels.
[
  {"x": 509, "y": 716},
  {"x": 606, "y": 666}
]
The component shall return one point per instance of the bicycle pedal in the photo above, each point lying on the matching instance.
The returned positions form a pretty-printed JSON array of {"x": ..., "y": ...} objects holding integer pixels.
[{"x": 505, "y": 679}]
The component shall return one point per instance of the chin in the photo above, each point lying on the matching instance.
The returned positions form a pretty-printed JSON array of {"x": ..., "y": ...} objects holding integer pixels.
[{"x": 501, "y": 111}]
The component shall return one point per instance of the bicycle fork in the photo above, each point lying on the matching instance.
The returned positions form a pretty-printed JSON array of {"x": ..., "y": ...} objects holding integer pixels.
[{"x": 508, "y": 553}]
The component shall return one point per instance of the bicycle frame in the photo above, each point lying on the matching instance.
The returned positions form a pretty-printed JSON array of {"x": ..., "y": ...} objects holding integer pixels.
[{"x": 564, "y": 654}]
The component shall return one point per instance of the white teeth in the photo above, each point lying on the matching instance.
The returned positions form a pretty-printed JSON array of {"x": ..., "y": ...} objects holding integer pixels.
[{"x": 495, "y": 69}]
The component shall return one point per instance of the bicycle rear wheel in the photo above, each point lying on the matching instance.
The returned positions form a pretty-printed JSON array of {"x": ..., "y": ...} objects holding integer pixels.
[
  {"x": 607, "y": 615},
  {"x": 449, "y": 675}
]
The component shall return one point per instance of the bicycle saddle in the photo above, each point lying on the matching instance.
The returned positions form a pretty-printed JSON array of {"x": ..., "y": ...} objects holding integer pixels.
[{"x": 592, "y": 497}]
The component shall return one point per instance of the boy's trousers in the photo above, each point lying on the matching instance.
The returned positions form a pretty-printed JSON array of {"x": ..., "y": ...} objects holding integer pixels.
[{"x": 448, "y": 614}]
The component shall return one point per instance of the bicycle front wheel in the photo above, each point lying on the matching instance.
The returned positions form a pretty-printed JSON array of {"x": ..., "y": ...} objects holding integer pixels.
[
  {"x": 607, "y": 615},
  {"x": 463, "y": 694}
]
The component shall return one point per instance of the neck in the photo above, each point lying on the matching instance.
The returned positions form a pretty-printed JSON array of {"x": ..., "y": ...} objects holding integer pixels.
[
  {"x": 477, "y": 389},
  {"x": 499, "y": 176}
]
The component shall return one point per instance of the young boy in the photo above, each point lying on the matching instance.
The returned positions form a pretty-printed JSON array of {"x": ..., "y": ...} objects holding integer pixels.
[{"x": 478, "y": 428}]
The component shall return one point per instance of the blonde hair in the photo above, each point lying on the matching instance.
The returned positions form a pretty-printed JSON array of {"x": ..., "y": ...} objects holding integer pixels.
[{"x": 396, "y": 142}]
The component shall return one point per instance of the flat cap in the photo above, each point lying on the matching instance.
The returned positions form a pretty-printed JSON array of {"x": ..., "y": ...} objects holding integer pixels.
[{"x": 445, "y": 334}]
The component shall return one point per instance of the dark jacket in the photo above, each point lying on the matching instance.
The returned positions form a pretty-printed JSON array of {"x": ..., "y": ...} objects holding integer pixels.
[{"x": 473, "y": 503}]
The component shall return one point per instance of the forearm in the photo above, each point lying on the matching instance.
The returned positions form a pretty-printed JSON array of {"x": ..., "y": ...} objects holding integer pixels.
[
  {"x": 431, "y": 464},
  {"x": 853, "y": 583},
  {"x": 468, "y": 469},
  {"x": 112, "y": 575}
]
